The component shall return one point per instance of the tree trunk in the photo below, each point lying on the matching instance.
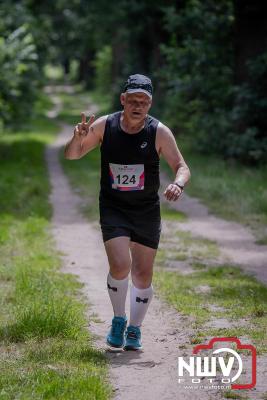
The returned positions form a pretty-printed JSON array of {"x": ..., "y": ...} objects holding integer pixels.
[
  {"x": 86, "y": 69},
  {"x": 66, "y": 66}
]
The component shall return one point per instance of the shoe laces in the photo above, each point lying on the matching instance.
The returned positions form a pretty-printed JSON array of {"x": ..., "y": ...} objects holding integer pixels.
[{"x": 133, "y": 333}]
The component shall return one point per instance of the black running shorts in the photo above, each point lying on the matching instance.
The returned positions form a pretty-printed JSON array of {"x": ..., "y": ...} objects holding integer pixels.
[{"x": 143, "y": 226}]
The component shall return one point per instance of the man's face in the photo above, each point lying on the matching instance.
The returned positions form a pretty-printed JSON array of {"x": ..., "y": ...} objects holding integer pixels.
[{"x": 136, "y": 105}]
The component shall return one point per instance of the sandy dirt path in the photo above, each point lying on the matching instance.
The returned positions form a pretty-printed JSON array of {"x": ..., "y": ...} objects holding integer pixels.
[
  {"x": 236, "y": 242},
  {"x": 152, "y": 373}
]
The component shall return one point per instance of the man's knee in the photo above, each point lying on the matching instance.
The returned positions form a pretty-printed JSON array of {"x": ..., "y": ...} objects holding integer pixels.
[
  {"x": 142, "y": 277},
  {"x": 119, "y": 268}
]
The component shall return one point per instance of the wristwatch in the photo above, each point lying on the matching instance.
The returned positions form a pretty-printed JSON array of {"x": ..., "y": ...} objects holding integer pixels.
[{"x": 180, "y": 186}]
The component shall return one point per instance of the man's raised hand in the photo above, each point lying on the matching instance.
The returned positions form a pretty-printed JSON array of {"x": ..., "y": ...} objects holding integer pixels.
[{"x": 82, "y": 128}]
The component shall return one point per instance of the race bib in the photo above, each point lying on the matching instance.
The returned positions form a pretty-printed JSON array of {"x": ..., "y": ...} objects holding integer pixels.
[{"x": 127, "y": 177}]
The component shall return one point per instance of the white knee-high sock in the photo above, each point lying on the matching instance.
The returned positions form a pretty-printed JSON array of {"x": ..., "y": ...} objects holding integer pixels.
[
  {"x": 117, "y": 290},
  {"x": 139, "y": 302}
]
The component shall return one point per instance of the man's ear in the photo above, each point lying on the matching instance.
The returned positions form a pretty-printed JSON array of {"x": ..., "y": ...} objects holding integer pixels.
[{"x": 122, "y": 98}]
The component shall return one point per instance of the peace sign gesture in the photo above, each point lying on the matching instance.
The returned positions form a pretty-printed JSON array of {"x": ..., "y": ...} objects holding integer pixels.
[{"x": 82, "y": 128}]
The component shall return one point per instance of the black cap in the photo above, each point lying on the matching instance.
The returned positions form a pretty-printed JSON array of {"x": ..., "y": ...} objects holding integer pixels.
[{"x": 139, "y": 83}]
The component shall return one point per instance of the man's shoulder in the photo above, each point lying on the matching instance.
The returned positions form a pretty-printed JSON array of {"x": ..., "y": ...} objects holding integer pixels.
[
  {"x": 100, "y": 122},
  {"x": 164, "y": 137},
  {"x": 163, "y": 130},
  {"x": 160, "y": 126},
  {"x": 98, "y": 126},
  {"x": 101, "y": 119}
]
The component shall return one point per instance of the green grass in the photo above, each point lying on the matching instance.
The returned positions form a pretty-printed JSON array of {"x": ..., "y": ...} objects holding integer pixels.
[
  {"x": 52, "y": 369},
  {"x": 84, "y": 176},
  {"x": 171, "y": 214},
  {"x": 210, "y": 291},
  {"x": 182, "y": 246},
  {"x": 236, "y": 295},
  {"x": 46, "y": 351},
  {"x": 230, "y": 190},
  {"x": 230, "y": 394}
]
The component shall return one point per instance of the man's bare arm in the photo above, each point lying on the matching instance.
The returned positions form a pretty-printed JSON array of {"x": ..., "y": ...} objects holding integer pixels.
[
  {"x": 87, "y": 135},
  {"x": 167, "y": 146}
]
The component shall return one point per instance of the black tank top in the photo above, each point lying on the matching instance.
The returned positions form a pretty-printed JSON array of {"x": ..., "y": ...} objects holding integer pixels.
[{"x": 129, "y": 165}]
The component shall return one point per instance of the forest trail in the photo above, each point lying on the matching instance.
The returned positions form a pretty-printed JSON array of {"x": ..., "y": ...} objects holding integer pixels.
[{"x": 236, "y": 243}]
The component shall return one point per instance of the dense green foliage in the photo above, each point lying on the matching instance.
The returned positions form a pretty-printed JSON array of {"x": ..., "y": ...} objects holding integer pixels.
[
  {"x": 18, "y": 67},
  {"x": 208, "y": 61},
  {"x": 204, "y": 97}
]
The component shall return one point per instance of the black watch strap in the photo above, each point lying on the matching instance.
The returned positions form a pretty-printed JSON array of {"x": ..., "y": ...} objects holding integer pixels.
[{"x": 180, "y": 186}]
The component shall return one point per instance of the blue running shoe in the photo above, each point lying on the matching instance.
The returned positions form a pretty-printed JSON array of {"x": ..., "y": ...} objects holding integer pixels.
[
  {"x": 133, "y": 338},
  {"x": 115, "y": 337}
]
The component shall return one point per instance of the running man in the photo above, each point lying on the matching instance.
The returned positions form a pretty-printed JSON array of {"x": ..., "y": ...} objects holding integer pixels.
[{"x": 131, "y": 143}]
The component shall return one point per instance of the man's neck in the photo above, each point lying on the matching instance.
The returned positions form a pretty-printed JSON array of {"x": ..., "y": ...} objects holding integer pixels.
[{"x": 131, "y": 126}]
